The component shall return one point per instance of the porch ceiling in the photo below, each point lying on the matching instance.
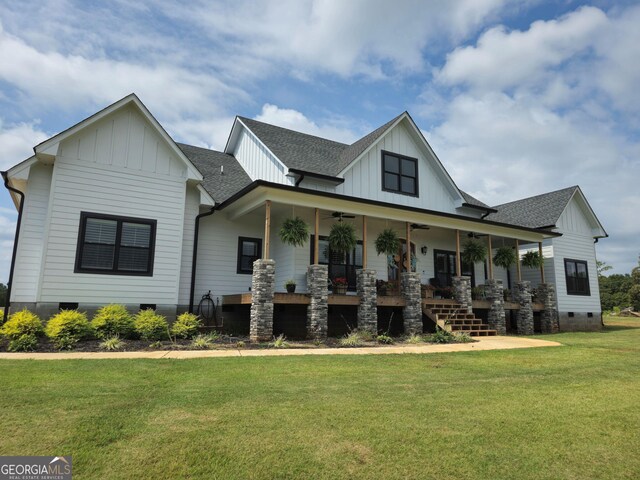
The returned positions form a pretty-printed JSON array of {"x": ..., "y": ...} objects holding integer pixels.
[{"x": 254, "y": 198}]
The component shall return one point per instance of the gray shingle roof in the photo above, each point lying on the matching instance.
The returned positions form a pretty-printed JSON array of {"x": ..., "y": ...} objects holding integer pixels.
[
  {"x": 534, "y": 212},
  {"x": 473, "y": 200},
  {"x": 208, "y": 162},
  {"x": 298, "y": 150}
]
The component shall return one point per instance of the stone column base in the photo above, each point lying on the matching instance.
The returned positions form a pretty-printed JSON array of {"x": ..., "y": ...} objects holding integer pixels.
[
  {"x": 461, "y": 287},
  {"x": 368, "y": 307},
  {"x": 412, "y": 312},
  {"x": 547, "y": 295},
  {"x": 496, "y": 317},
  {"x": 525, "y": 314},
  {"x": 318, "y": 309},
  {"x": 262, "y": 291}
]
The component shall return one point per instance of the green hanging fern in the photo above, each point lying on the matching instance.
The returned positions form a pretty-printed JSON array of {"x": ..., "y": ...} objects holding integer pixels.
[
  {"x": 387, "y": 242},
  {"x": 294, "y": 231},
  {"x": 342, "y": 237},
  {"x": 532, "y": 259},
  {"x": 504, "y": 257},
  {"x": 474, "y": 252}
]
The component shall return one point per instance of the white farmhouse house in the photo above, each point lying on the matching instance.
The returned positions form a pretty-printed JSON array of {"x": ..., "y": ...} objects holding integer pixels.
[{"x": 112, "y": 210}]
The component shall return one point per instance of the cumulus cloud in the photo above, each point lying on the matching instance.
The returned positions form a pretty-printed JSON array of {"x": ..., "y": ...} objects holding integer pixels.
[
  {"x": 17, "y": 142},
  {"x": 532, "y": 112},
  {"x": 335, "y": 129}
]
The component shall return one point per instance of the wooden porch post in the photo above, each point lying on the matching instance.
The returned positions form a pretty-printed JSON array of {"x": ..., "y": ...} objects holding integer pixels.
[
  {"x": 541, "y": 266},
  {"x": 490, "y": 260},
  {"x": 316, "y": 235},
  {"x": 267, "y": 229},
  {"x": 519, "y": 273},
  {"x": 364, "y": 242},
  {"x": 408, "y": 246},
  {"x": 458, "y": 264}
]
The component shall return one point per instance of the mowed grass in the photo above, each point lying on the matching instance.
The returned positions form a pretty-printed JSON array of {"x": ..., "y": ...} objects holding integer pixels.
[{"x": 570, "y": 412}]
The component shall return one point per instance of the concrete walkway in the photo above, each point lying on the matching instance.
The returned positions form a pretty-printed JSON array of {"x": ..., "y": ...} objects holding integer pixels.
[{"x": 484, "y": 343}]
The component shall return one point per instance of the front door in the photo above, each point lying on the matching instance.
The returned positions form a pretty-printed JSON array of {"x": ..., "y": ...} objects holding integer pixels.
[{"x": 445, "y": 268}]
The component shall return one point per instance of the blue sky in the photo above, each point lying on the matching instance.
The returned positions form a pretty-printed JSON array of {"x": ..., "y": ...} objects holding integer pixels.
[{"x": 516, "y": 98}]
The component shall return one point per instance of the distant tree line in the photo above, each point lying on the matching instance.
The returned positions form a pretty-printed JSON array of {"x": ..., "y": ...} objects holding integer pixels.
[
  {"x": 3, "y": 295},
  {"x": 619, "y": 290}
]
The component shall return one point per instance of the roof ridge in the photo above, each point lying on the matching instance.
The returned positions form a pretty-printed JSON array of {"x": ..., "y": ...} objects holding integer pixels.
[
  {"x": 240, "y": 117},
  {"x": 536, "y": 196},
  {"x": 181, "y": 144}
]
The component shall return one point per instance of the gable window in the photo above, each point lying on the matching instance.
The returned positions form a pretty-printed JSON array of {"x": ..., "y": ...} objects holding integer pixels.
[
  {"x": 248, "y": 252},
  {"x": 115, "y": 245},
  {"x": 399, "y": 174},
  {"x": 577, "y": 277}
]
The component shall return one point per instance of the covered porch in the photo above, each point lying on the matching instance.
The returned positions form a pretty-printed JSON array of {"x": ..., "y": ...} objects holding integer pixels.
[{"x": 434, "y": 257}]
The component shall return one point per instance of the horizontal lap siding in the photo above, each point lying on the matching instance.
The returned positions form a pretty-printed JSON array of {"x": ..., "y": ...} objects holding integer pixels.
[
  {"x": 118, "y": 166},
  {"x": 218, "y": 253},
  {"x": 32, "y": 231},
  {"x": 191, "y": 210}
]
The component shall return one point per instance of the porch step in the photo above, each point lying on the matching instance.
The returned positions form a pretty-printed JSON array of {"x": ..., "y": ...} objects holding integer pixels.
[{"x": 453, "y": 317}]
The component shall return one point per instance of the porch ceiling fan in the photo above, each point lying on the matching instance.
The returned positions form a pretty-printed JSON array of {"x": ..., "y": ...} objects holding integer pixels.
[
  {"x": 417, "y": 226},
  {"x": 340, "y": 215}
]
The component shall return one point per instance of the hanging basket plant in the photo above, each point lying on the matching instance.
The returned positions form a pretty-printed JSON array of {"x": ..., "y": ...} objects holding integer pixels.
[
  {"x": 387, "y": 242},
  {"x": 504, "y": 257},
  {"x": 342, "y": 237},
  {"x": 532, "y": 259},
  {"x": 294, "y": 231},
  {"x": 474, "y": 252}
]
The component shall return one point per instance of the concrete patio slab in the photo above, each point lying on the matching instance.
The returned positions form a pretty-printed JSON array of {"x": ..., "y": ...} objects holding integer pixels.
[{"x": 483, "y": 343}]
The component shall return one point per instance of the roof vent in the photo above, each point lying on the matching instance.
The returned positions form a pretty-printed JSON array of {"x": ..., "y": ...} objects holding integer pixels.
[{"x": 221, "y": 169}]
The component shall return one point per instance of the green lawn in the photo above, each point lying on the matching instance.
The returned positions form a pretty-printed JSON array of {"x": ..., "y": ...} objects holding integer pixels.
[{"x": 567, "y": 412}]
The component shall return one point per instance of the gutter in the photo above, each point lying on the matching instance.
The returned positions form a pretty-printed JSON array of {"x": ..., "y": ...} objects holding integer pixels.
[
  {"x": 7, "y": 302},
  {"x": 195, "y": 255},
  {"x": 304, "y": 173}
]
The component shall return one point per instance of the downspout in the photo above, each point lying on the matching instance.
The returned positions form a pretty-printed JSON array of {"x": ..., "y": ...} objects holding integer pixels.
[
  {"x": 7, "y": 301},
  {"x": 195, "y": 255},
  {"x": 299, "y": 180}
]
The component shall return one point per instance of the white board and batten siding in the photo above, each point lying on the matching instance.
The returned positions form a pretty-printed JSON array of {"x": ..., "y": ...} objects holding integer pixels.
[
  {"x": 258, "y": 161},
  {"x": 364, "y": 178},
  {"x": 576, "y": 243},
  {"x": 32, "y": 235},
  {"x": 116, "y": 166}
]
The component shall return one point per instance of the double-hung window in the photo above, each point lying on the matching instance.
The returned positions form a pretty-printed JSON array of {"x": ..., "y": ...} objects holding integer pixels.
[
  {"x": 249, "y": 250},
  {"x": 399, "y": 174},
  {"x": 115, "y": 245},
  {"x": 577, "y": 277}
]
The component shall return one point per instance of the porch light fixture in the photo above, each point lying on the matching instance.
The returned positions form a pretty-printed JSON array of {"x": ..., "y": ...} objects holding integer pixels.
[{"x": 423, "y": 250}]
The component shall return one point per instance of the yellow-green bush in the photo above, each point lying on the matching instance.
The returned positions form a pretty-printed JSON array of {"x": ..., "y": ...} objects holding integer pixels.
[
  {"x": 186, "y": 326},
  {"x": 151, "y": 326},
  {"x": 113, "y": 320},
  {"x": 22, "y": 323},
  {"x": 67, "y": 328}
]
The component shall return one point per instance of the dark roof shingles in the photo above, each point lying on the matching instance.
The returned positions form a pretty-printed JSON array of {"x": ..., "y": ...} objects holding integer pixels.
[
  {"x": 534, "y": 212},
  {"x": 219, "y": 185}
]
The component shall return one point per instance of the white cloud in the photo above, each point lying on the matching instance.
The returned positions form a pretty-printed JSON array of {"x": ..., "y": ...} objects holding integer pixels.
[
  {"x": 504, "y": 59},
  {"x": 17, "y": 142},
  {"x": 532, "y": 113},
  {"x": 336, "y": 129}
]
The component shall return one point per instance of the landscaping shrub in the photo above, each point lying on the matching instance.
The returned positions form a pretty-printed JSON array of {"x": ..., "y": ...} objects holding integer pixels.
[
  {"x": 24, "y": 343},
  {"x": 186, "y": 326},
  {"x": 67, "y": 328},
  {"x": 113, "y": 320},
  {"x": 414, "y": 339},
  {"x": 279, "y": 342},
  {"x": 22, "y": 323},
  {"x": 353, "y": 339},
  {"x": 384, "y": 339},
  {"x": 463, "y": 337},
  {"x": 202, "y": 342},
  {"x": 441, "y": 336},
  {"x": 112, "y": 344},
  {"x": 150, "y": 325}
]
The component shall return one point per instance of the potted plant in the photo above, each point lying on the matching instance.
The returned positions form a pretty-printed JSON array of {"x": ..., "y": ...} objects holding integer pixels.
[
  {"x": 474, "y": 252},
  {"x": 340, "y": 285},
  {"x": 290, "y": 285},
  {"x": 505, "y": 257},
  {"x": 294, "y": 231},
  {"x": 342, "y": 237},
  {"x": 387, "y": 242}
]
